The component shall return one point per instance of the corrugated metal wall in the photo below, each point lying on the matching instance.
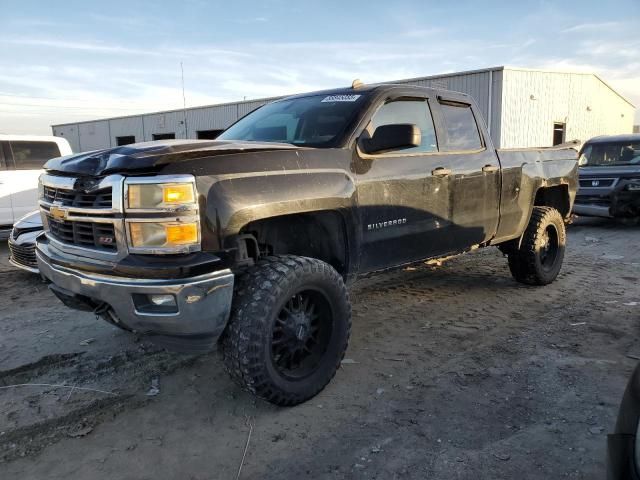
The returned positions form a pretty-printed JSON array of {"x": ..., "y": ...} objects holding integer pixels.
[
  {"x": 533, "y": 101},
  {"x": 92, "y": 136},
  {"x": 71, "y": 133},
  {"x": 127, "y": 126},
  {"x": 484, "y": 86}
]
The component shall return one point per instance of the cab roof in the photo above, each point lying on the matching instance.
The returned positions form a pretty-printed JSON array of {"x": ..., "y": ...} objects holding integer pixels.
[
  {"x": 377, "y": 88},
  {"x": 626, "y": 137}
]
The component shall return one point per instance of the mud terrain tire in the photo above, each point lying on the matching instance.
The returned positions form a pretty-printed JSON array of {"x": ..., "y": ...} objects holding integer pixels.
[
  {"x": 539, "y": 258},
  {"x": 289, "y": 328}
]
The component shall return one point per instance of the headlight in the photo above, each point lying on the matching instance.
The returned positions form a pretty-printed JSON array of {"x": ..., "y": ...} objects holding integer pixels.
[
  {"x": 633, "y": 187},
  {"x": 160, "y": 195},
  {"x": 163, "y": 235},
  {"x": 162, "y": 214}
]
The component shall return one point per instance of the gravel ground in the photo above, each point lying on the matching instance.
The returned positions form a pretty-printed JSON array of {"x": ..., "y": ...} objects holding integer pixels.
[{"x": 454, "y": 371}]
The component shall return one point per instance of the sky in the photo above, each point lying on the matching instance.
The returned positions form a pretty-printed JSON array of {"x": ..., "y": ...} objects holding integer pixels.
[{"x": 82, "y": 60}]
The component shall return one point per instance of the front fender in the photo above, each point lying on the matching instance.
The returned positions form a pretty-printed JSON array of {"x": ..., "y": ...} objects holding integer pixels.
[{"x": 235, "y": 201}]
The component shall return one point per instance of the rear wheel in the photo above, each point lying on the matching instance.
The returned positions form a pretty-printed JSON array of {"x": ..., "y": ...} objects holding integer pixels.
[
  {"x": 539, "y": 258},
  {"x": 289, "y": 328}
]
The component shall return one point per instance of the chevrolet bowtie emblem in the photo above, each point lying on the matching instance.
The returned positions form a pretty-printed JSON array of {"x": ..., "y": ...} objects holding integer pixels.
[{"x": 59, "y": 213}]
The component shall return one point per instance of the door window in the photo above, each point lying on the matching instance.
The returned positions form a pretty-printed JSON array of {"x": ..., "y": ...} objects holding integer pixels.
[
  {"x": 3, "y": 164},
  {"x": 461, "y": 127},
  {"x": 29, "y": 155},
  {"x": 412, "y": 111}
]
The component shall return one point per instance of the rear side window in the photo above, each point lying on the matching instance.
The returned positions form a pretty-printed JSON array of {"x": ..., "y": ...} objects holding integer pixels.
[
  {"x": 3, "y": 164},
  {"x": 461, "y": 127},
  {"x": 412, "y": 111},
  {"x": 32, "y": 155}
]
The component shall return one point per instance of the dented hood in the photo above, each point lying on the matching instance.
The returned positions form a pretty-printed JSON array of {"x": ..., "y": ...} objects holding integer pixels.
[{"x": 152, "y": 156}]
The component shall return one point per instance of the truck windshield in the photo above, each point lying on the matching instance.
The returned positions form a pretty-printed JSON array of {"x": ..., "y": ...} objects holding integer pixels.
[
  {"x": 314, "y": 121},
  {"x": 614, "y": 153}
]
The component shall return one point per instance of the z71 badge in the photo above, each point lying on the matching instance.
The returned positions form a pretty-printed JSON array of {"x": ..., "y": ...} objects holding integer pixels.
[{"x": 388, "y": 223}]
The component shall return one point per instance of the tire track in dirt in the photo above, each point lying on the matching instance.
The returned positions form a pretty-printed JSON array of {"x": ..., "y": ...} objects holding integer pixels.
[{"x": 68, "y": 394}]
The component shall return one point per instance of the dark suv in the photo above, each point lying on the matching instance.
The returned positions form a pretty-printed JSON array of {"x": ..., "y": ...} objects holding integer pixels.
[{"x": 610, "y": 177}]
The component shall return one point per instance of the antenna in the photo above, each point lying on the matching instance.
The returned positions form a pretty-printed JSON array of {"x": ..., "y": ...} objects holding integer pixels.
[{"x": 184, "y": 102}]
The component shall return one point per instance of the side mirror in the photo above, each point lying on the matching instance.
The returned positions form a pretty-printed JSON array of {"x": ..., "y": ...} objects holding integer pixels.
[
  {"x": 583, "y": 161},
  {"x": 387, "y": 138}
]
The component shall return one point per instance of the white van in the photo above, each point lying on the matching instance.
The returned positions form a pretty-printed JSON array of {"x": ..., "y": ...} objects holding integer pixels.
[{"x": 21, "y": 161}]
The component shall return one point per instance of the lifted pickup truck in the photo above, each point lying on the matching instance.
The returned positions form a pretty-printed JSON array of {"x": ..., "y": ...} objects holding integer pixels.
[{"x": 249, "y": 240}]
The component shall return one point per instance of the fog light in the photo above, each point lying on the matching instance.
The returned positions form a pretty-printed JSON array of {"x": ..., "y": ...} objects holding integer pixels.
[{"x": 163, "y": 300}]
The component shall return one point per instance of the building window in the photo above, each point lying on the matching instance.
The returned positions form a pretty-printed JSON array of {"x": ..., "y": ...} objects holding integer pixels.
[
  {"x": 164, "y": 136},
  {"x": 125, "y": 140},
  {"x": 208, "y": 134},
  {"x": 559, "y": 132}
]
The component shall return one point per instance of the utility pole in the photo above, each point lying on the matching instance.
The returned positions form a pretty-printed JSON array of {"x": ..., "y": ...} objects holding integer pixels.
[{"x": 184, "y": 102}]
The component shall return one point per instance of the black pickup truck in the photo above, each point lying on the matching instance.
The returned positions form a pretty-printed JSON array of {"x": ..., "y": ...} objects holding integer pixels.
[{"x": 249, "y": 240}]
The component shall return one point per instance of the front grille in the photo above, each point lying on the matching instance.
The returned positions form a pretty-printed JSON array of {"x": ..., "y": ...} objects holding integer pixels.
[
  {"x": 100, "y": 236},
  {"x": 23, "y": 254},
  {"x": 71, "y": 198},
  {"x": 599, "y": 182}
]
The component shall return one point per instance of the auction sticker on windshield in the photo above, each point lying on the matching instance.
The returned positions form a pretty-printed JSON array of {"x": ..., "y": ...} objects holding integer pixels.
[{"x": 341, "y": 98}]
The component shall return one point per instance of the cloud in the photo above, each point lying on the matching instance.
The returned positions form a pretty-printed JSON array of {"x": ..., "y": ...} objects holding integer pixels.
[
  {"x": 101, "y": 79},
  {"x": 591, "y": 27},
  {"x": 80, "y": 45}
]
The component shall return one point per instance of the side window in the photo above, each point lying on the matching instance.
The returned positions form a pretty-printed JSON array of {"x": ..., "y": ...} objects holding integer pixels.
[
  {"x": 32, "y": 155},
  {"x": 412, "y": 111},
  {"x": 461, "y": 127},
  {"x": 3, "y": 162}
]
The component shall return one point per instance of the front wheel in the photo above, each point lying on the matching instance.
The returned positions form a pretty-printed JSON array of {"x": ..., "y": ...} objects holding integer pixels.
[
  {"x": 289, "y": 328},
  {"x": 539, "y": 258}
]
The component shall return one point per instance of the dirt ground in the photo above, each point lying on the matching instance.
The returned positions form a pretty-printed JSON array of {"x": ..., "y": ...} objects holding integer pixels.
[{"x": 452, "y": 372}]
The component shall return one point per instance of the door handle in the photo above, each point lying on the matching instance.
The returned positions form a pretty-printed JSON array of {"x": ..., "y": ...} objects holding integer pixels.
[
  {"x": 490, "y": 168},
  {"x": 440, "y": 172}
]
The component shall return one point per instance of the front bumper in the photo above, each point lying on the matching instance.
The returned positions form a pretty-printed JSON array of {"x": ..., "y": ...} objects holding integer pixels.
[
  {"x": 203, "y": 302},
  {"x": 590, "y": 210}
]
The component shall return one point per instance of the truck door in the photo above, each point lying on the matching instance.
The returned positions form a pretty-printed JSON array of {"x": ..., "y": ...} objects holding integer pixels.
[
  {"x": 28, "y": 159},
  {"x": 475, "y": 174},
  {"x": 404, "y": 207},
  {"x": 6, "y": 212}
]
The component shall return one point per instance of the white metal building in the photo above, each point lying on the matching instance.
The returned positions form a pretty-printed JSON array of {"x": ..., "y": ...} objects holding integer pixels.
[{"x": 522, "y": 108}]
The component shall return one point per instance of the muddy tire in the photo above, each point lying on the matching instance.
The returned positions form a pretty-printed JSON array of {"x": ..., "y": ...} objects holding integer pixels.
[
  {"x": 539, "y": 258},
  {"x": 289, "y": 328}
]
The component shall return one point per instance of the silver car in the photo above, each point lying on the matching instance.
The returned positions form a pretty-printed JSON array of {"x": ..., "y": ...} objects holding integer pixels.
[{"x": 22, "y": 242}]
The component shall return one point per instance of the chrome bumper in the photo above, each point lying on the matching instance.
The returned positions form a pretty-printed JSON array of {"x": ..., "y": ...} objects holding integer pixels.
[
  {"x": 591, "y": 210},
  {"x": 203, "y": 302}
]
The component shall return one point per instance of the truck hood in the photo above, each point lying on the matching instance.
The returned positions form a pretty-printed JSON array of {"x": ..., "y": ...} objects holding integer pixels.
[
  {"x": 613, "y": 171},
  {"x": 151, "y": 156}
]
